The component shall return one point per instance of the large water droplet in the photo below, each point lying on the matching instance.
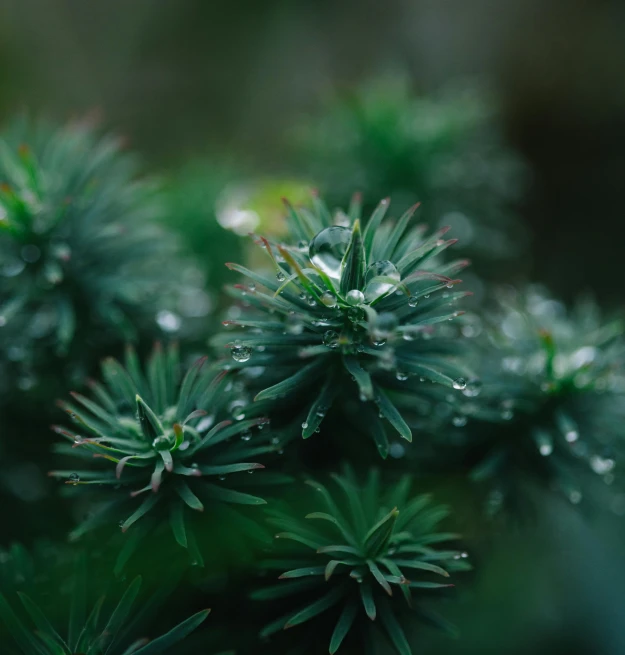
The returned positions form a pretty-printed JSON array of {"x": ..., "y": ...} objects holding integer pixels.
[
  {"x": 327, "y": 249},
  {"x": 74, "y": 478},
  {"x": 355, "y": 297},
  {"x": 168, "y": 321},
  {"x": 460, "y": 384},
  {"x": 413, "y": 301},
  {"x": 381, "y": 277},
  {"x": 328, "y": 299},
  {"x": 241, "y": 353},
  {"x": 281, "y": 277}
]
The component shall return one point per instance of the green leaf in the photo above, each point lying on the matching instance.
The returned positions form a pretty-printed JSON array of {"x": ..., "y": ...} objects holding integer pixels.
[
  {"x": 184, "y": 398},
  {"x": 90, "y": 626},
  {"x": 303, "y": 378},
  {"x": 164, "y": 643},
  {"x": 366, "y": 594},
  {"x": 343, "y": 626},
  {"x": 39, "y": 619},
  {"x": 340, "y": 523},
  {"x": 424, "y": 566},
  {"x": 363, "y": 379},
  {"x": 150, "y": 423},
  {"x": 231, "y": 496},
  {"x": 176, "y": 520},
  {"x": 354, "y": 262},
  {"x": 391, "y": 413},
  {"x": 183, "y": 490},
  {"x": 143, "y": 509},
  {"x": 304, "y": 572},
  {"x": 122, "y": 611},
  {"x": 394, "y": 630},
  {"x": 21, "y": 635},
  {"x": 321, "y": 405},
  {"x": 374, "y": 223},
  {"x": 379, "y": 576},
  {"x": 78, "y": 602},
  {"x": 319, "y": 606},
  {"x": 378, "y": 537}
]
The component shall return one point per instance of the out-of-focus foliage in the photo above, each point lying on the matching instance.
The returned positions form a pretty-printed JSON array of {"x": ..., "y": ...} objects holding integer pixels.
[
  {"x": 39, "y": 618},
  {"x": 445, "y": 150},
  {"x": 84, "y": 264},
  {"x": 368, "y": 555},
  {"x": 547, "y": 407}
]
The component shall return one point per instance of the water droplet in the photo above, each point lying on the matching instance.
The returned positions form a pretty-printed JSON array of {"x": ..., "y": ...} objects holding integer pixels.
[
  {"x": 168, "y": 321},
  {"x": 221, "y": 478},
  {"x": 473, "y": 388},
  {"x": 401, "y": 375},
  {"x": 460, "y": 384},
  {"x": 601, "y": 465},
  {"x": 78, "y": 440},
  {"x": 331, "y": 339},
  {"x": 161, "y": 443},
  {"x": 280, "y": 276},
  {"x": 311, "y": 301},
  {"x": 304, "y": 425},
  {"x": 250, "y": 472},
  {"x": 575, "y": 497},
  {"x": 427, "y": 295},
  {"x": 241, "y": 353},
  {"x": 195, "y": 465},
  {"x": 381, "y": 277},
  {"x": 397, "y": 450},
  {"x": 459, "y": 420},
  {"x": 355, "y": 297},
  {"x": 328, "y": 299},
  {"x": 302, "y": 245},
  {"x": 74, "y": 478},
  {"x": 545, "y": 449},
  {"x": 327, "y": 249},
  {"x": 121, "y": 523},
  {"x": 293, "y": 325},
  {"x": 571, "y": 436},
  {"x": 246, "y": 435},
  {"x": 413, "y": 301}
]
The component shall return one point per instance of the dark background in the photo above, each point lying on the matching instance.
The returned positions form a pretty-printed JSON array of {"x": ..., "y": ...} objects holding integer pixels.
[{"x": 185, "y": 79}]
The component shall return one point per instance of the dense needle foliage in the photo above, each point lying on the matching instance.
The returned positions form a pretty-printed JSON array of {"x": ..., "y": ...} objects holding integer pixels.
[
  {"x": 351, "y": 312},
  {"x": 364, "y": 553},
  {"x": 161, "y": 444}
]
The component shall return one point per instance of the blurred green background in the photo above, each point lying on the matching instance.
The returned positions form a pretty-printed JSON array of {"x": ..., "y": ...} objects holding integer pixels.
[
  {"x": 189, "y": 78},
  {"x": 207, "y": 92}
]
